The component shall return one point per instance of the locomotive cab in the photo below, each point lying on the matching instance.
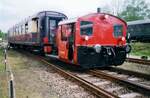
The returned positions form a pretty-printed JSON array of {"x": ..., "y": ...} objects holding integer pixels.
[{"x": 98, "y": 40}]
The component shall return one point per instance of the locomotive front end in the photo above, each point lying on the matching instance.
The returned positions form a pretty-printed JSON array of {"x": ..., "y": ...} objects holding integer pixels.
[{"x": 102, "y": 41}]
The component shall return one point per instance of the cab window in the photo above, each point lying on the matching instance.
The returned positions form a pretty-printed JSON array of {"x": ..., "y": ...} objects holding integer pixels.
[
  {"x": 86, "y": 28},
  {"x": 118, "y": 30}
]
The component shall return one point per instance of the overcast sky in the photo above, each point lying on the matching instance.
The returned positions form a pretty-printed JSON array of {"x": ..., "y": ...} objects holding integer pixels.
[{"x": 13, "y": 11}]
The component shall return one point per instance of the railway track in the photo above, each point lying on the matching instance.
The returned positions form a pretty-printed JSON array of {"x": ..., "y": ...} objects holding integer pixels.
[
  {"x": 87, "y": 85},
  {"x": 134, "y": 83},
  {"x": 102, "y": 85},
  {"x": 139, "y": 61},
  {"x": 129, "y": 72}
]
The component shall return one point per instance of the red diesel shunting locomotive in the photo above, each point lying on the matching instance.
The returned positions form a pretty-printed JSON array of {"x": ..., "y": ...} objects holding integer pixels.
[{"x": 94, "y": 40}]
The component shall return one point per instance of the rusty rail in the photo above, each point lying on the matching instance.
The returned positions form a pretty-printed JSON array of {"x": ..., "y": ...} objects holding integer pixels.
[
  {"x": 129, "y": 72},
  {"x": 139, "y": 61}
]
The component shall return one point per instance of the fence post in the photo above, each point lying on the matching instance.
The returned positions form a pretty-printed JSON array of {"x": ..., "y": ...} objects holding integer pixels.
[
  {"x": 5, "y": 54},
  {"x": 11, "y": 87}
]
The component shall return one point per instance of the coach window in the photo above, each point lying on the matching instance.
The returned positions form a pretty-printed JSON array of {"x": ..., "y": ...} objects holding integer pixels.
[
  {"x": 35, "y": 24},
  {"x": 86, "y": 28},
  {"x": 26, "y": 27},
  {"x": 20, "y": 30},
  {"x": 139, "y": 28},
  {"x": 12, "y": 31},
  {"x": 136, "y": 28},
  {"x": 146, "y": 29},
  {"x": 16, "y": 30},
  {"x": 23, "y": 29}
]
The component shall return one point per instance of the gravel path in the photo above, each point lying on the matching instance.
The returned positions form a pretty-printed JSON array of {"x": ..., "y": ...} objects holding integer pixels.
[{"x": 33, "y": 79}]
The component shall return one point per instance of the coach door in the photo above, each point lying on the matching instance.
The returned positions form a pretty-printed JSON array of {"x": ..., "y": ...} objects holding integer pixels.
[{"x": 52, "y": 30}]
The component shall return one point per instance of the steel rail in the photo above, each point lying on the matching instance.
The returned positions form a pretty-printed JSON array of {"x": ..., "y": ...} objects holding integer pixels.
[
  {"x": 129, "y": 72},
  {"x": 139, "y": 61},
  {"x": 100, "y": 92},
  {"x": 130, "y": 84}
]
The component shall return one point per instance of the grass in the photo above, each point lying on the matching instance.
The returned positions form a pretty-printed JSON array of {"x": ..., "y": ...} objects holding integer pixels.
[
  {"x": 27, "y": 83},
  {"x": 2, "y": 67},
  {"x": 140, "y": 49},
  {"x": 3, "y": 79}
]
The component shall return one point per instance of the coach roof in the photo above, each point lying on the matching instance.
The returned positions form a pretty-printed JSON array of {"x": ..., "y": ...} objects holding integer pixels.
[{"x": 138, "y": 22}]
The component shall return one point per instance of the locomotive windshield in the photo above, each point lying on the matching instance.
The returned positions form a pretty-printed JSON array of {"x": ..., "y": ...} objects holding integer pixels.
[
  {"x": 118, "y": 30},
  {"x": 86, "y": 28}
]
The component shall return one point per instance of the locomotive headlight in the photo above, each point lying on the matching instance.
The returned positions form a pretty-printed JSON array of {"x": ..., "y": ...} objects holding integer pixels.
[
  {"x": 97, "y": 48},
  {"x": 106, "y": 16},
  {"x": 86, "y": 38},
  {"x": 123, "y": 38}
]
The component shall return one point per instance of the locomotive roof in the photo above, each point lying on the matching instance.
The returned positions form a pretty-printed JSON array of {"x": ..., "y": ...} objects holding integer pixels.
[
  {"x": 73, "y": 20},
  {"x": 139, "y": 22},
  {"x": 88, "y": 15}
]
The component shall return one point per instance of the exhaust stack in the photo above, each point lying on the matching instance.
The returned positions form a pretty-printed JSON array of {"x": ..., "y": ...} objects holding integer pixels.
[{"x": 98, "y": 10}]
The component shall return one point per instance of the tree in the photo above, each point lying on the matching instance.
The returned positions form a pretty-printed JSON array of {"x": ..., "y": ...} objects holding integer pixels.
[
  {"x": 1, "y": 34},
  {"x": 135, "y": 10},
  {"x": 113, "y": 7}
]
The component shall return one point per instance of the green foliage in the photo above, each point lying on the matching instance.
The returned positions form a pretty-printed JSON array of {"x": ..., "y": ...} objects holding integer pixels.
[
  {"x": 2, "y": 34},
  {"x": 140, "y": 49},
  {"x": 135, "y": 10}
]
